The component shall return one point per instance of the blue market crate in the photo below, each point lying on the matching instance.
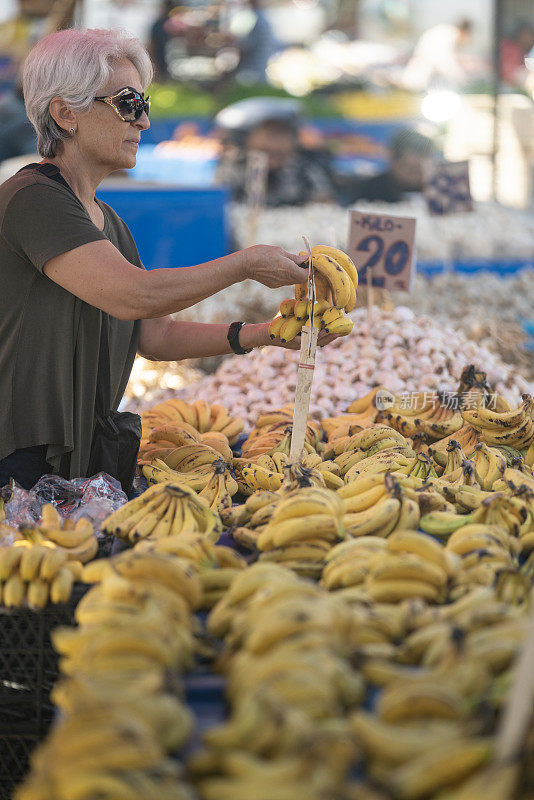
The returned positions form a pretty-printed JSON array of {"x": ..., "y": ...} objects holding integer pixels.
[{"x": 173, "y": 227}]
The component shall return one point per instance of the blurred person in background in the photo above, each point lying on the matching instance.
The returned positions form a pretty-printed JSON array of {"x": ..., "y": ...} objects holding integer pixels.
[
  {"x": 256, "y": 43},
  {"x": 17, "y": 136},
  {"x": 410, "y": 153},
  {"x": 513, "y": 51},
  {"x": 295, "y": 176},
  {"x": 159, "y": 36},
  {"x": 437, "y": 59}
]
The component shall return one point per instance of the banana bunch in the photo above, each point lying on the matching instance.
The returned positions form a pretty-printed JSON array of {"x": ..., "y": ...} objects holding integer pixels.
[
  {"x": 484, "y": 551},
  {"x": 276, "y": 437},
  {"x": 455, "y": 460},
  {"x": 199, "y": 415},
  {"x": 464, "y": 475},
  {"x": 516, "y": 480},
  {"x": 514, "y": 428},
  {"x": 513, "y": 513},
  {"x": 490, "y": 465},
  {"x": 330, "y": 473},
  {"x": 426, "y": 494},
  {"x": 76, "y": 540},
  {"x": 192, "y": 464},
  {"x": 419, "y": 413},
  {"x": 165, "y": 509},
  {"x": 306, "y": 558},
  {"x": 395, "y": 461},
  {"x": 466, "y": 436},
  {"x": 347, "y": 564},
  {"x": 264, "y": 472},
  {"x": 442, "y": 767},
  {"x": 162, "y": 711},
  {"x": 422, "y": 468},
  {"x": 220, "y": 488},
  {"x": 194, "y": 547},
  {"x": 361, "y": 413},
  {"x": 395, "y": 743},
  {"x": 304, "y": 515},
  {"x": 275, "y": 473},
  {"x": 363, "y": 443},
  {"x": 109, "y": 752},
  {"x": 412, "y": 565},
  {"x": 336, "y": 281},
  {"x": 242, "y": 776},
  {"x": 379, "y": 506},
  {"x": 165, "y": 439},
  {"x": 256, "y": 578},
  {"x": 246, "y": 521},
  {"x": 34, "y": 575}
]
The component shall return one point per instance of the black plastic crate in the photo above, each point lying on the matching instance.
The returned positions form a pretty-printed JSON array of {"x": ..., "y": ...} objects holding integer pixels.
[{"x": 28, "y": 671}]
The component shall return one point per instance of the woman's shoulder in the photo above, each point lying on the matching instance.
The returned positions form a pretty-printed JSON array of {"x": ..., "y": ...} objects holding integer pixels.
[
  {"x": 28, "y": 176},
  {"x": 28, "y": 185}
]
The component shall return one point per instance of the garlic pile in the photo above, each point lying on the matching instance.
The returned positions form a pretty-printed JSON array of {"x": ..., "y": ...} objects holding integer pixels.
[
  {"x": 482, "y": 295},
  {"x": 402, "y": 352},
  {"x": 491, "y": 231}
]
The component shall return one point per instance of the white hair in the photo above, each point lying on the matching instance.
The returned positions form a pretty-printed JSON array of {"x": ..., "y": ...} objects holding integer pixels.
[{"x": 75, "y": 65}]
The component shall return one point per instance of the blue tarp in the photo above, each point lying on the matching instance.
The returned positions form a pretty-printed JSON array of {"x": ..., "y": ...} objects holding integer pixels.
[{"x": 173, "y": 227}]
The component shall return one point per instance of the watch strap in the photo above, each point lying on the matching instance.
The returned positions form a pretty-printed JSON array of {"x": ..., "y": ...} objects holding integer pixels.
[{"x": 233, "y": 338}]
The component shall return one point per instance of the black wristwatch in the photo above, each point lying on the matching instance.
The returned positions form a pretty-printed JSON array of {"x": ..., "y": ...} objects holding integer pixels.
[{"x": 233, "y": 338}]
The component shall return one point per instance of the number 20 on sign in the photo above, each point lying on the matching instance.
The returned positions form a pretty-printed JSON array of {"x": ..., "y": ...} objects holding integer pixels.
[{"x": 382, "y": 247}]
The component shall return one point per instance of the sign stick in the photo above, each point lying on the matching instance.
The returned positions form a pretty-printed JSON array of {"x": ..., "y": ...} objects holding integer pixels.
[
  {"x": 517, "y": 712},
  {"x": 308, "y": 346},
  {"x": 303, "y": 391}
]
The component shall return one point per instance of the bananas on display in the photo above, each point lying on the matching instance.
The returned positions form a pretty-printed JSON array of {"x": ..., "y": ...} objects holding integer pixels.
[
  {"x": 34, "y": 575},
  {"x": 121, "y": 712},
  {"x": 199, "y": 416},
  {"x": 76, "y": 540},
  {"x": 336, "y": 282},
  {"x": 422, "y": 413},
  {"x": 287, "y": 683},
  {"x": 301, "y": 530},
  {"x": 378, "y": 627},
  {"x": 513, "y": 428},
  {"x": 165, "y": 509}
]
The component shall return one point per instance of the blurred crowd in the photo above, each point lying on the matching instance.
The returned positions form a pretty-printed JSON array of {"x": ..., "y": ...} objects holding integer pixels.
[{"x": 214, "y": 45}]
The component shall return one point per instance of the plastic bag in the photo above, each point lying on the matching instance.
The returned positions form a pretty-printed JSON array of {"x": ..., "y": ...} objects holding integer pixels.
[{"x": 94, "y": 498}]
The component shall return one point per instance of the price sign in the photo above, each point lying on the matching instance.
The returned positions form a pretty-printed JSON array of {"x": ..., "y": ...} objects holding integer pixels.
[
  {"x": 382, "y": 247},
  {"x": 447, "y": 189}
]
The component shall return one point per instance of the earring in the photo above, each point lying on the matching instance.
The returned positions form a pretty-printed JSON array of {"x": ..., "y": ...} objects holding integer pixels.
[{"x": 72, "y": 131}]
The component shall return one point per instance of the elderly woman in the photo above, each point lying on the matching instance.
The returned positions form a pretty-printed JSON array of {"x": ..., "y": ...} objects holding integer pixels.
[{"x": 70, "y": 273}]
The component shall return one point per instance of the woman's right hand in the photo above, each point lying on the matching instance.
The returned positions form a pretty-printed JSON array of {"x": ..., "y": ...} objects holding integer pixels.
[{"x": 274, "y": 266}]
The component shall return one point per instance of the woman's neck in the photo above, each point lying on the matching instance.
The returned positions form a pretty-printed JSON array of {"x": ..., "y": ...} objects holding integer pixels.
[{"x": 81, "y": 177}]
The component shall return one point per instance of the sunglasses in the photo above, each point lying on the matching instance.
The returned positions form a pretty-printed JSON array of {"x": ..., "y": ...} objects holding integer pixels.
[{"x": 127, "y": 103}]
